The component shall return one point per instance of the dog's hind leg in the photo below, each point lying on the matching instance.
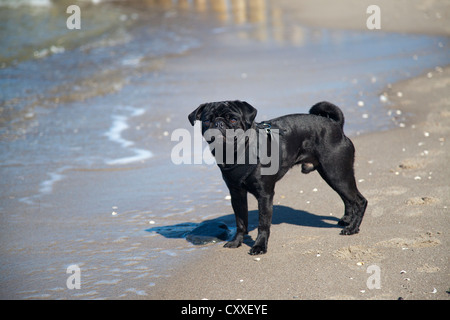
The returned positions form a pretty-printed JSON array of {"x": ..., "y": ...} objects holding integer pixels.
[
  {"x": 338, "y": 173},
  {"x": 265, "y": 207}
]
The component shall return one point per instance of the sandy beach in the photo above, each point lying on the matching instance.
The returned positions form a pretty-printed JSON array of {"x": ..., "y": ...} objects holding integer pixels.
[{"x": 404, "y": 175}]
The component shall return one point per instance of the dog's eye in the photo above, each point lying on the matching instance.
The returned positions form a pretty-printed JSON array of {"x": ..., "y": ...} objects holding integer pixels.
[{"x": 233, "y": 120}]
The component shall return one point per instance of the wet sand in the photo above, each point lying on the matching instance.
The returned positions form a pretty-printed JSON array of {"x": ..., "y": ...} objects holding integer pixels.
[{"x": 403, "y": 173}]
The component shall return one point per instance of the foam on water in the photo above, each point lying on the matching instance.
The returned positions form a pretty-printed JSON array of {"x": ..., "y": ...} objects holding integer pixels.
[
  {"x": 115, "y": 132},
  {"x": 46, "y": 187},
  {"x": 119, "y": 125},
  {"x": 140, "y": 155}
]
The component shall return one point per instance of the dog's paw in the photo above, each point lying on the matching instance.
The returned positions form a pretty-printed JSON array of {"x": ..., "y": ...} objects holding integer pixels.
[
  {"x": 349, "y": 231},
  {"x": 257, "y": 250},
  {"x": 307, "y": 167},
  {"x": 232, "y": 244}
]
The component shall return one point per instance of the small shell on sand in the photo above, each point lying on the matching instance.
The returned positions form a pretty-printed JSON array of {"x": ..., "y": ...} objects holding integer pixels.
[{"x": 383, "y": 98}]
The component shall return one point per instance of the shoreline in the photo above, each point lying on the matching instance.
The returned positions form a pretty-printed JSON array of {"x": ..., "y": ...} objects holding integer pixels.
[{"x": 403, "y": 174}]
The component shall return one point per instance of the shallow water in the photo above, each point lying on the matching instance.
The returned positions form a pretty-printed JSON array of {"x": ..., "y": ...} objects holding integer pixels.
[{"x": 86, "y": 118}]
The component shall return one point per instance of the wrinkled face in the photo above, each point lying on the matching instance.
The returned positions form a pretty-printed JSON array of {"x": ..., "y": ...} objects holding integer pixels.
[
  {"x": 221, "y": 117},
  {"x": 224, "y": 115}
]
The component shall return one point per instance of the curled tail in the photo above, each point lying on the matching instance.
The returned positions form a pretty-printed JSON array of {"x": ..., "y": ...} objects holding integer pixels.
[{"x": 328, "y": 110}]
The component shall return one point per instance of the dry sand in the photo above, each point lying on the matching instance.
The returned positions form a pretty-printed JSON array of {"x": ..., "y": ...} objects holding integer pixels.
[{"x": 403, "y": 173}]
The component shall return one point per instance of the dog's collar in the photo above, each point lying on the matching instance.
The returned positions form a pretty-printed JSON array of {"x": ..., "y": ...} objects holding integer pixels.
[
  {"x": 244, "y": 171},
  {"x": 266, "y": 126}
]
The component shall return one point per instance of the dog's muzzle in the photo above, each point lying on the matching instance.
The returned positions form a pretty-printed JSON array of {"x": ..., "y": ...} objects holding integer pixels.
[{"x": 219, "y": 124}]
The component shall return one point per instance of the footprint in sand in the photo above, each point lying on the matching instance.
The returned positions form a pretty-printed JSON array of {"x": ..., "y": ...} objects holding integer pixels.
[
  {"x": 426, "y": 268},
  {"x": 359, "y": 254},
  {"x": 412, "y": 164},
  {"x": 413, "y": 205},
  {"x": 424, "y": 240},
  {"x": 421, "y": 201}
]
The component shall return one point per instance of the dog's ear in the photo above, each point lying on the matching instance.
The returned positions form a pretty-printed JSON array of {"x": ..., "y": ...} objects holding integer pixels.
[
  {"x": 196, "y": 114},
  {"x": 248, "y": 111}
]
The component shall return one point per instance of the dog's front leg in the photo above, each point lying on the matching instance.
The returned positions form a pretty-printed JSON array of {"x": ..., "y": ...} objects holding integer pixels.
[
  {"x": 265, "y": 207},
  {"x": 240, "y": 207}
]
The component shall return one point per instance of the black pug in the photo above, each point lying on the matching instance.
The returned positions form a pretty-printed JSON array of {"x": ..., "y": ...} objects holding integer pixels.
[{"x": 315, "y": 140}]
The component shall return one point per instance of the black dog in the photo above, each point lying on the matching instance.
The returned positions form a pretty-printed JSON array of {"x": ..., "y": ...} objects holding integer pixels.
[{"x": 315, "y": 140}]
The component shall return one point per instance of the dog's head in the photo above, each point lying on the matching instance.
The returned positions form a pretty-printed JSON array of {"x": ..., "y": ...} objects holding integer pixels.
[{"x": 224, "y": 115}]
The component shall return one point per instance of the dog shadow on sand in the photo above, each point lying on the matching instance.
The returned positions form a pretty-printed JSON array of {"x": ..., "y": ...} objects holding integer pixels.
[{"x": 223, "y": 228}]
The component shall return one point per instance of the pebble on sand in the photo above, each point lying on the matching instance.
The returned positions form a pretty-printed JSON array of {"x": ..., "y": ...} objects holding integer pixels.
[{"x": 383, "y": 98}]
